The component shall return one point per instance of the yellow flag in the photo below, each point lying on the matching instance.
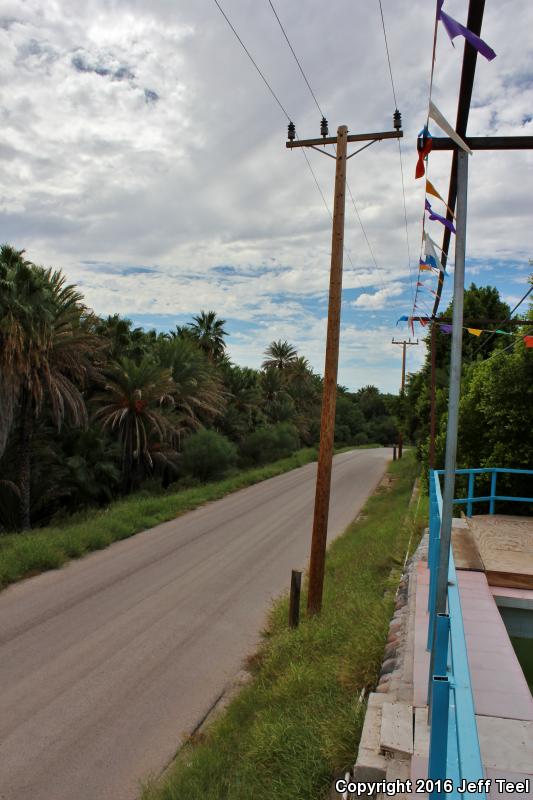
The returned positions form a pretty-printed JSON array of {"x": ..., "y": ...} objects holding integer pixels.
[
  {"x": 430, "y": 189},
  {"x": 474, "y": 331}
]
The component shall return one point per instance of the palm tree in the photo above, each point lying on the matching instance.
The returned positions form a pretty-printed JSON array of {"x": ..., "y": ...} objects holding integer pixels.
[
  {"x": 280, "y": 355},
  {"x": 44, "y": 356},
  {"x": 198, "y": 392},
  {"x": 132, "y": 407},
  {"x": 209, "y": 332}
]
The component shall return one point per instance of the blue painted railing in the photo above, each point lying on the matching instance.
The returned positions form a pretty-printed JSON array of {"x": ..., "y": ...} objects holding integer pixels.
[
  {"x": 454, "y": 745},
  {"x": 492, "y": 497}
]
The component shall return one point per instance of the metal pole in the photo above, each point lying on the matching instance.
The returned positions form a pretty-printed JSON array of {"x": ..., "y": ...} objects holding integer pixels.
[
  {"x": 402, "y": 392},
  {"x": 455, "y": 383},
  {"x": 432, "y": 396},
  {"x": 329, "y": 396}
]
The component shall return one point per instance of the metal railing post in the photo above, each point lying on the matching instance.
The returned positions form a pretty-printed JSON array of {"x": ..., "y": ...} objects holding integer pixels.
[
  {"x": 438, "y": 741},
  {"x": 469, "y": 504},
  {"x": 439, "y": 662},
  {"x": 493, "y": 491},
  {"x": 433, "y": 556}
]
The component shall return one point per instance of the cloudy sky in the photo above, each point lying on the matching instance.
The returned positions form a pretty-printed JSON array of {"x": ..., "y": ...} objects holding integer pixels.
[{"x": 141, "y": 153}]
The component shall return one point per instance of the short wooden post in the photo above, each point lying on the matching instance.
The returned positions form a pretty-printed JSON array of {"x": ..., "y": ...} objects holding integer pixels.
[
  {"x": 294, "y": 604},
  {"x": 394, "y": 452}
]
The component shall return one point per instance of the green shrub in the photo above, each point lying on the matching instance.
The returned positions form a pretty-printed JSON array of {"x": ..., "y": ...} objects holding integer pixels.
[
  {"x": 207, "y": 454},
  {"x": 270, "y": 443},
  {"x": 360, "y": 438}
]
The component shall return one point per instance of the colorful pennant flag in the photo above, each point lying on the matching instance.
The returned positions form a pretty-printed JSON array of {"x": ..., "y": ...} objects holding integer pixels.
[
  {"x": 443, "y": 123},
  {"x": 528, "y": 341},
  {"x": 403, "y": 319},
  {"x": 445, "y": 328},
  {"x": 424, "y": 143},
  {"x": 430, "y": 252},
  {"x": 454, "y": 28},
  {"x": 430, "y": 189},
  {"x": 433, "y": 215},
  {"x": 474, "y": 331},
  {"x": 505, "y": 333}
]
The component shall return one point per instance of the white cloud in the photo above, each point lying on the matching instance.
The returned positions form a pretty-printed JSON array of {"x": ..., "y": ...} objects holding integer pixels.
[
  {"x": 137, "y": 133},
  {"x": 379, "y": 299}
]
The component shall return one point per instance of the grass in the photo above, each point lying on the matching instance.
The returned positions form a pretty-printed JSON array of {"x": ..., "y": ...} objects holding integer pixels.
[
  {"x": 23, "y": 555},
  {"x": 299, "y": 720}
]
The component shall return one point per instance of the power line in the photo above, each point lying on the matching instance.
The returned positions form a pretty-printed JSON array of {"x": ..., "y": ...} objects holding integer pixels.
[
  {"x": 399, "y": 153},
  {"x": 304, "y": 76},
  {"x": 388, "y": 55},
  {"x": 313, "y": 95},
  {"x": 503, "y": 323},
  {"x": 505, "y": 349},
  {"x": 364, "y": 234},
  {"x": 269, "y": 87},
  {"x": 278, "y": 101}
]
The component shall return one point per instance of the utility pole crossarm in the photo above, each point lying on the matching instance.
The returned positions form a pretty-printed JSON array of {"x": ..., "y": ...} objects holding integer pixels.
[{"x": 354, "y": 137}]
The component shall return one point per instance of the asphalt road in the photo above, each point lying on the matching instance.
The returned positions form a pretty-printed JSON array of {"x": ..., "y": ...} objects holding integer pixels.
[{"x": 106, "y": 664}]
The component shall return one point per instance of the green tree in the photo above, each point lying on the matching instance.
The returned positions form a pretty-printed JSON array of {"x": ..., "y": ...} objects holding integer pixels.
[
  {"x": 208, "y": 330},
  {"x": 280, "y": 355},
  {"x": 198, "y": 391},
  {"x": 45, "y": 357},
  {"x": 132, "y": 408}
]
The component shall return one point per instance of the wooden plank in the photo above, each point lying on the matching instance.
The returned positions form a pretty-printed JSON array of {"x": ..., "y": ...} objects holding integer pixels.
[
  {"x": 465, "y": 552},
  {"x": 397, "y": 728},
  {"x": 505, "y": 546},
  {"x": 485, "y": 143}
]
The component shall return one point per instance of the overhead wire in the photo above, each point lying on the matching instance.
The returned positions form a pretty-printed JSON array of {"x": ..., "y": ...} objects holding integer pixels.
[
  {"x": 267, "y": 84},
  {"x": 352, "y": 198},
  {"x": 505, "y": 349},
  {"x": 399, "y": 153},
  {"x": 282, "y": 107},
  {"x": 503, "y": 322},
  {"x": 304, "y": 76}
]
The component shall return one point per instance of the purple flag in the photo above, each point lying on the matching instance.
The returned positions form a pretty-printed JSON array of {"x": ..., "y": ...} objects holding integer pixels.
[
  {"x": 445, "y": 328},
  {"x": 454, "y": 28},
  {"x": 433, "y": 215}
]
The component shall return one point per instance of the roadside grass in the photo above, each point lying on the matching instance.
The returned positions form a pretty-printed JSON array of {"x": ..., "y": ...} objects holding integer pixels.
[
  {"x": 299, "y": 720},
  {"x": 23, "y": 555}
]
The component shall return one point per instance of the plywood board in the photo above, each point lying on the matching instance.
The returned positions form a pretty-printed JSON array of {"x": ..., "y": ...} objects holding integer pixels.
[
  {"x": 397, "y": 728},
  {"x": 505, "y": 546},
  {"x": 465, "y": 552}
]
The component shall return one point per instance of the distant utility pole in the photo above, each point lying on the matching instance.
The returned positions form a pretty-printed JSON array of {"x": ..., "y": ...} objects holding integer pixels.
[
  {"x": 329, "y": 396},
  {"x": 404, "y": 344}
]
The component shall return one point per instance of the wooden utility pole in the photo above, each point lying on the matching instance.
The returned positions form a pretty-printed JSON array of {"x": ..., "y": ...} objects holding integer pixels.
[
  {"x": 329, "y": 395},
  {"x": 404, "y": 344}
]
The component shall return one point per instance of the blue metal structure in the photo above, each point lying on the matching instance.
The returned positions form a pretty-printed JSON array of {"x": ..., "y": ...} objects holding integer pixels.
[{"x": 454, "y": 746}]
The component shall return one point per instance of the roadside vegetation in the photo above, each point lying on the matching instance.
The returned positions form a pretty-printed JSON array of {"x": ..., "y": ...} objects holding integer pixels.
[
  {"x": 496, "y": 405},
  {"x": 94, "y": 409},
  {"x": 25, "y": 554},
  {"x": 300, "y": 719}
]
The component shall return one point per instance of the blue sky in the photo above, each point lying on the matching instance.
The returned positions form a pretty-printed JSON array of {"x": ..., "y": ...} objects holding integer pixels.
[{"x": 143, "y": 155}]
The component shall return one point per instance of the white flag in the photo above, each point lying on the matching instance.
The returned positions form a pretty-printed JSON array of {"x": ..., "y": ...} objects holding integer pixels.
[
  {"x": 443, "y": 123},
  {"x": 430, "y": 251}
]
